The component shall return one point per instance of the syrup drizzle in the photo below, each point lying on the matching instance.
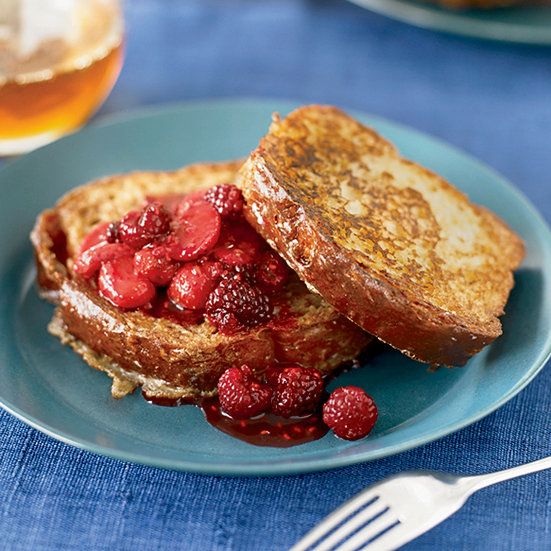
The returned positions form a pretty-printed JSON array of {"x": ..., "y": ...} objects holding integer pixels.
[
  {"x": 265, "y": 430},
  {"x": 268, "y": 429}
]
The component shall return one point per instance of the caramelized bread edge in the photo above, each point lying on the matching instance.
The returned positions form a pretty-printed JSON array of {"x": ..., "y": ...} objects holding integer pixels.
[{"x": 418, "y": 329}]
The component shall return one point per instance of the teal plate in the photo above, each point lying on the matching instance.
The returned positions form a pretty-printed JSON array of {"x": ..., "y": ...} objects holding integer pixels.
[
  {"x": 524, "y": 25},
  {"x": 50, "y": 388}
]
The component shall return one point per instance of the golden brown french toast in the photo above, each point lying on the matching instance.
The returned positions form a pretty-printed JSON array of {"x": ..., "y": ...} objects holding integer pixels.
[
  {"x": 168, "y": 359},
  {"x": 390, "y": 244}
]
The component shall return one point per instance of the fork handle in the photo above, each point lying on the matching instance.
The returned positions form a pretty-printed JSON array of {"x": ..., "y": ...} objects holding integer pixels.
[{"x": 483, "y": 480}]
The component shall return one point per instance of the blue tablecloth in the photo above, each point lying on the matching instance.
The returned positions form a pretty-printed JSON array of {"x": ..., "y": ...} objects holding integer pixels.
[{"x": 493, "y": 100}]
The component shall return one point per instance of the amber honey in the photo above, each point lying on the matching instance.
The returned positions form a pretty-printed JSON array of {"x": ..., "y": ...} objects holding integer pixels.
[
  {"x": 57, "y": 104},
  {"x": 67, "y": 84}
]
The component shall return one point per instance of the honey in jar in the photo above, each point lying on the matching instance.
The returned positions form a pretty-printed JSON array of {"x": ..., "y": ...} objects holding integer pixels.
[{"x": 58, "y": 62}]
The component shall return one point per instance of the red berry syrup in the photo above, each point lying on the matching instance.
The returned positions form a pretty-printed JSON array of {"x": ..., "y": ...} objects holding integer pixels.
[{"x": 266, "y": 430}]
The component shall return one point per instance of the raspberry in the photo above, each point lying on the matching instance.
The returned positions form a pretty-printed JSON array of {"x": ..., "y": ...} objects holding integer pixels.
[
  {"x": 241, "y": 394},
  {"x": 297, "y": 390},
  {"x": 271, "y": 273},
  {"x": 191, "y": 287},
  {"x": 271, "y": 375},
  {"x": 226, "y": 199},
  {"x": 155, "y": 220},
  {"x": 226, "y": 322},
  {"x": 130, "y": 232},
  {"x": 197, "y": 232},
  {"x": 90, "y": 261},
  {"x": 139, "y": 228},
  {"x": 350, "y": 412},
  {"x": 235, "y": 304},
  {"x": 121, "y": 286},
  {"x": 155, "y": 264}
]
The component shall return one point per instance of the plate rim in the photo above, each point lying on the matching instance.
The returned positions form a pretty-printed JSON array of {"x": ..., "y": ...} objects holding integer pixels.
[
  {"x": 458, "y": 23},
  {"x": 299, "y": 465}
]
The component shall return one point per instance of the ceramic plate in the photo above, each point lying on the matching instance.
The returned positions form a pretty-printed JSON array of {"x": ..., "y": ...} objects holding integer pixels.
[
  {"x": 49, "y": 387},
  {"x": 528, "y": 25}
]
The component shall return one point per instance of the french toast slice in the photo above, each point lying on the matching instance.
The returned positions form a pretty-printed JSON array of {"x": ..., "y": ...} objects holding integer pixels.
[
  {"x": 167, "y": 359},
  {"x": 390, "y": 244}
]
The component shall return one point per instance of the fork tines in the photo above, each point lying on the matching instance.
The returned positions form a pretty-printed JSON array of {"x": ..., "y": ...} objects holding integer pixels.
[{"x": 359, "y": 523}]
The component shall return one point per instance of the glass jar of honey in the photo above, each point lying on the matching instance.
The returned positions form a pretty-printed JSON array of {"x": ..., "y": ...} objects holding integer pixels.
[{"x": 59, "y": 59}]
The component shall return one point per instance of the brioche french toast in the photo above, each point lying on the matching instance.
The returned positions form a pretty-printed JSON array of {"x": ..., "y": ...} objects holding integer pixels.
[
  {"x": 388, "y": 243},
  {"x": 167, "y": 358}
]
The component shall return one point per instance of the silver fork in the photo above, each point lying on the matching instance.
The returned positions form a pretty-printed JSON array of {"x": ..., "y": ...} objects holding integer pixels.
[{"x": 396, "y": 510}]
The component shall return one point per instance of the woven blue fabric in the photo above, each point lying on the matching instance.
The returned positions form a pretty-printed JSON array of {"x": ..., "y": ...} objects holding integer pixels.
[{"x": 493, "y": 100}]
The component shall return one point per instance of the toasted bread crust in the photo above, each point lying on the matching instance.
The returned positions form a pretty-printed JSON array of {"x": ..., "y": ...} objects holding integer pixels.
[
  {"x": 388, "y": 243},
  {"x": 167, "y": 359}
]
